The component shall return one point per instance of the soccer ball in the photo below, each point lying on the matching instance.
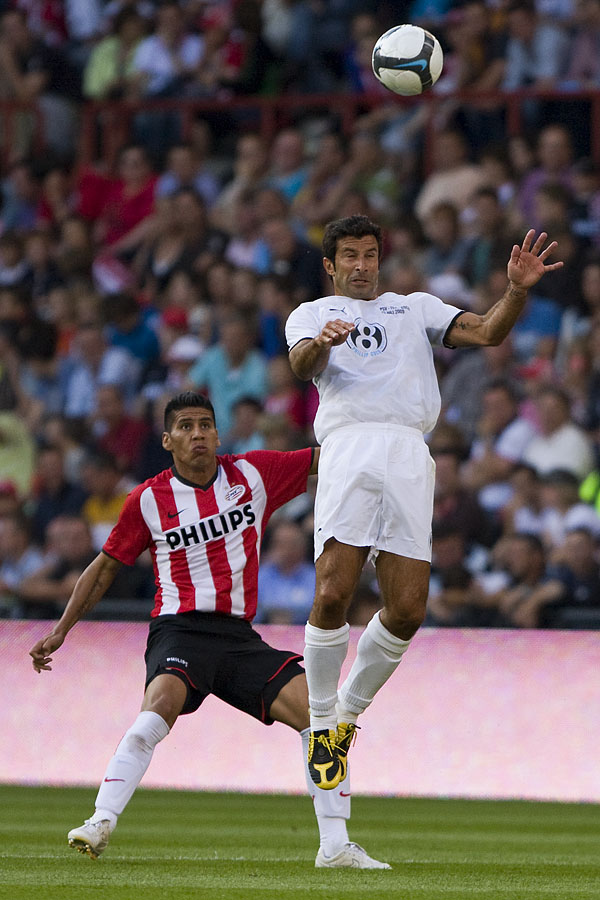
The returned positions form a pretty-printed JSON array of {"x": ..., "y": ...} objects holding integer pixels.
[{"x": 407, "y": 59}]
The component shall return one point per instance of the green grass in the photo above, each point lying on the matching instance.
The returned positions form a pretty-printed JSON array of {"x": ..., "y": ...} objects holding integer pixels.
[{"x": 178, "y": 846}]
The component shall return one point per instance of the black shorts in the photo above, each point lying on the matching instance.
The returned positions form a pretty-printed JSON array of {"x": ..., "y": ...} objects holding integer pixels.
[{"x": 220, "y": 655}]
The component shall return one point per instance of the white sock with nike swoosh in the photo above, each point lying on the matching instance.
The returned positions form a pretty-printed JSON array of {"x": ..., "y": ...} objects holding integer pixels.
[
  {"x": 332, "y": 808},
  {"x": 127, "y": 767}
]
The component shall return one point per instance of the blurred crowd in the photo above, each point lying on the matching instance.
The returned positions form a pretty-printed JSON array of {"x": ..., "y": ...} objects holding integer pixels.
[{"x": 178, "y": 269}]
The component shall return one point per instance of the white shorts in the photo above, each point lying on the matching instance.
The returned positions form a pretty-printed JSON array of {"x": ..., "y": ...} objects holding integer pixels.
[{"x": 375, "y": 489}]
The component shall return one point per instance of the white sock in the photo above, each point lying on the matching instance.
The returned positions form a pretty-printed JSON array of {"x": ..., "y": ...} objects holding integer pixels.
[
  {"x": 324, "y": 652},
  {"x": 377, "y": 656},
  {"x": 332, "y": 808},
  {"x": 126, "y": 768}
]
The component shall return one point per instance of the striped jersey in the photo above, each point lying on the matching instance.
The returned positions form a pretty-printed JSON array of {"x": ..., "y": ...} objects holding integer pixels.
[{"x": 205, "y": 541}]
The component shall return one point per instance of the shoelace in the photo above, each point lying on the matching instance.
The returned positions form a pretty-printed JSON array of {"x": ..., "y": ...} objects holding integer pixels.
[
  {"x": 323, "y": 740},
  {"x": 349, "y": 736}
]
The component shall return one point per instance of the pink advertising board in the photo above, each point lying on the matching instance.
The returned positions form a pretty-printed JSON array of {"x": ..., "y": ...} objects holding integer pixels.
[{"x": 469, "y": 713}]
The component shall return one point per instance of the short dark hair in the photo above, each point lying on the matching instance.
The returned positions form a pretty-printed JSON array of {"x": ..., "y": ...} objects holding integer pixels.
[
  {"x": 183, "y": 401},
  {"x": 351, "y": 226}
]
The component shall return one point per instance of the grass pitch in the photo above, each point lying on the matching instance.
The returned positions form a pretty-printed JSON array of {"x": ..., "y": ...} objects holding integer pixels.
[{"x": 179, "y": 846}]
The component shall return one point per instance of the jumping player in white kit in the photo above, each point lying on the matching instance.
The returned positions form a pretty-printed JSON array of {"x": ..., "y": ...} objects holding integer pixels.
[
  {"x": 371, "y": 358},
  {"x": 203, "y": 522}
]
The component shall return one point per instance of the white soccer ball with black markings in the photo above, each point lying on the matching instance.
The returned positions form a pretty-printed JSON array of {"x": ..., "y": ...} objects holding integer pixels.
[{"x": 407, "y": 59}]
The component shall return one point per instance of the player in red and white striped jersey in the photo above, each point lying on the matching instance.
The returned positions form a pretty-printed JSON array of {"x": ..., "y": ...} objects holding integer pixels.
[{"x": 203, "y": 521}]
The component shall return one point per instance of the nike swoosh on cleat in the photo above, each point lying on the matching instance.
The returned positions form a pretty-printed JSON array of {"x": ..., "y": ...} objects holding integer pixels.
[{"x": 114, "y": 779}]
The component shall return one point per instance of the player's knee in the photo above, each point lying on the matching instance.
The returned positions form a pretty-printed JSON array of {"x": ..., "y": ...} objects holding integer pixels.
[
  {"x": 406, "y": 622},
  {"x": 329, "y": 598}
]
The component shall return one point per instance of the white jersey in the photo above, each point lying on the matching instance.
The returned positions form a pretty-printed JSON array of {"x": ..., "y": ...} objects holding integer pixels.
[{"x": 384, "y": 372}]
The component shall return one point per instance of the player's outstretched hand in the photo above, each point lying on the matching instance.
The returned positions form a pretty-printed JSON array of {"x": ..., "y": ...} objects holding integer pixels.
[
  {"x": 335, "y": 333},
  {"x": 40, "y": 651},
  {"x": 527, "y": 264}
]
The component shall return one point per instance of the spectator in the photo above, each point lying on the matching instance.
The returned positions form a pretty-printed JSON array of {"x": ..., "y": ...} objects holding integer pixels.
[
  {"x": 453, "y": 178},
  {"x": 9, "y": 499},
  {"x": 170, "y": 58},
  {"x": 53, "y": 494},
  {"x": 503, "y": 438},
  {"x": 284, "y": 395},
  {"x": 107, "y": 491},
  {"x": 231, "y": 369},
  {"x": 447, "y": 249},
  {"x": 523, "y": 512},
  {"x": 43, "y": 274},
  {"x": 19, "y": 559},
  {"x": 529, "y": 588},
  {"x": 121, "y": 208},
  {"x": 562, "y": 510},
  {"x": 456, "y": 507},
  {"x": 489, "y": 236},
  {"x": 316, "y": 201},
  {"x": 286, "y": 579},
  {"x": 245, "y": 433},
  {"x": 461, "y": 385},
  {"x": 14, "y": 270},
  {"x": 554, "y": 155},
  {"x": 536, "y": 50},
  {"x": 250, "y": 166},
  {"x": 109, "y": 68},
  {"x": 561, "y": 444},
  {"x": 245, "y": 247},
  {"x": 129, "y": 328},
  {"x": 292, "y": 258},
  {"x": 186, "y": 169},
  {"x": 583, "y": 69},
  {"x": 288, "y": 171},
  {"x": 117, "y": 434},
  {"x": 575, "y": 577},
  {"x": 20, "y": 197},
  {"x": 69, "y": 551},
  {"x": 91, "y": 363},
  {"x": 33, "y": 72},
  {"x": 17, "y": 452},
  {"x": 167, "y": 63}
]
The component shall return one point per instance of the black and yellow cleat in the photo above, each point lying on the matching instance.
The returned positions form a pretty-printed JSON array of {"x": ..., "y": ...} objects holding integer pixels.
[
  {"x": 346, "y": 735},
  {"x": 323, "y": 763}
]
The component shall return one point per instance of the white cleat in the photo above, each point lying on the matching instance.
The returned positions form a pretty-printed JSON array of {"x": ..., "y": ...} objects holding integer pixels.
[
  {"x": 352, "y": 856},
  {"x": 91, "y": 837}
]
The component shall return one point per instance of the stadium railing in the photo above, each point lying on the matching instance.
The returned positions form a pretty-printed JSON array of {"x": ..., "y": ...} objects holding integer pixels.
[{"x": 106, "y": 125}]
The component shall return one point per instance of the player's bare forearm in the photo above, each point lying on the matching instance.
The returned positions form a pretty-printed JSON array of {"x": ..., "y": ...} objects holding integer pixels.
[
  {"x": 91, "y": 586},
  {"x": 310, "y": 357},
  {"x": 525, "y": 267},
  {"x": 491, "y": 328}
]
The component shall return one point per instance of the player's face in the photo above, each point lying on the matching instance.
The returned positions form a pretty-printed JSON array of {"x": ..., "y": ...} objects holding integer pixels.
[
  {"x": 193, "y": 440},
  {"x": 356, "y": 269}
]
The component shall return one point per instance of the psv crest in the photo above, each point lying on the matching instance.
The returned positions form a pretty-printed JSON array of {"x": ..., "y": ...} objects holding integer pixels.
[{"x": 368, "y": 338}]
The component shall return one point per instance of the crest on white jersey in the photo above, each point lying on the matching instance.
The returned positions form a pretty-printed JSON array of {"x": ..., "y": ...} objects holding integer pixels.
[{"x": 368, "y": 338}]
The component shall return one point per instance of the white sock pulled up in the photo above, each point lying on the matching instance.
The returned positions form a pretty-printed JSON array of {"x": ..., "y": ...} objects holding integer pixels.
[
  {"x": 128, "y": 765},
  {"x": 378, "y": 654},
  {"x": 324, "y": 652}
]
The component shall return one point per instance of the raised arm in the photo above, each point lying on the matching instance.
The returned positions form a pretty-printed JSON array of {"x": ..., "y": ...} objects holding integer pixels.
[
  {"x": 525, "y": 268},
  {"x": 89, "y": 589},
  {"x": 309, "y": 357}
]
